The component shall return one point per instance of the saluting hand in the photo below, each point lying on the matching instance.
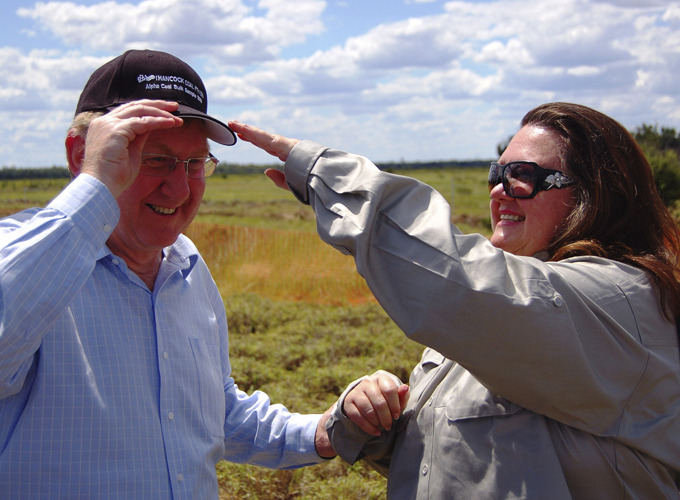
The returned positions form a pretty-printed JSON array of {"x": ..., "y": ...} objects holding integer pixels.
[
  {"x": 275, "y": 145},
  {"x": 114, "y": 142}
]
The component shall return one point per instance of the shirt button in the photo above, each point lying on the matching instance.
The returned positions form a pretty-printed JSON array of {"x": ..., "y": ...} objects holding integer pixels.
[
  {"x": 107, "y": 228},
  {"x": 180, "y": 477},
  {"x": 558, "y": 301},
  {"x": 171, "y": 416},
  {"x": 425, "y": 469},
  {"x": 115, "y": 262},
  {"x": 165, "y": 354}
]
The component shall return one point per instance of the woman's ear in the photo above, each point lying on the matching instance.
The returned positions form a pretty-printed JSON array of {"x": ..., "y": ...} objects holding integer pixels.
[{"x": 75, "y": 152}]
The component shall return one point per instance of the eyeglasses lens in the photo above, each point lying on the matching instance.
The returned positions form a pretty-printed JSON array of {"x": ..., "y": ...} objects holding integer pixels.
[
  {"x": 159, "y": 165},
  {"x": 162, "y": 165}
]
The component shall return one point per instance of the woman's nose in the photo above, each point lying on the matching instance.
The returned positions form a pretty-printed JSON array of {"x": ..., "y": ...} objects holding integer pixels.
[{"x": 497, "y": 191}]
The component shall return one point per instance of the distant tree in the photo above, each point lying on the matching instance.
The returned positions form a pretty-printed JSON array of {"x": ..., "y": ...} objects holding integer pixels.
[
  {"x": 662, "y": 149},
  {"x": 502, "y": 146},
  {"x": 663, "y": 140}
]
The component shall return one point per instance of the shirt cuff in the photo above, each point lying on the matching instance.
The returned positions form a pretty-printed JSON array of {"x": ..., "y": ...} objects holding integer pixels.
[
  {"x": 303, "y": 445},
  {"x": 91, "y": 207},
  {"x": 299, "y": 165}
]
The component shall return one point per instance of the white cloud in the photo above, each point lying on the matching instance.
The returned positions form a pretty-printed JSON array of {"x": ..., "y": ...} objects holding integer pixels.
[
  {"x": 451, "y": 84},
  {"x": 187, "y": 26},
  {"x": 411, "y": 43},
  {"x": 42, "y": 79}
]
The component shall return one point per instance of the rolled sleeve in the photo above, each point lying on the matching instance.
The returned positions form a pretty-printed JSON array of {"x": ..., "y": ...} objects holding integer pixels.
[{"x": 299, "y": 165}]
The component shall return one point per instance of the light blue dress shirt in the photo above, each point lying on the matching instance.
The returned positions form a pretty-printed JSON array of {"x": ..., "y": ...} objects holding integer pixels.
[{"x": 108, "y": 389}]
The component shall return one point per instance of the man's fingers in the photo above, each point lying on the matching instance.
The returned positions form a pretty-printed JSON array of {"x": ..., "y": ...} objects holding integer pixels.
[
  {"x": 145, "y": 107},
  {"x": 115, "y": 140}
]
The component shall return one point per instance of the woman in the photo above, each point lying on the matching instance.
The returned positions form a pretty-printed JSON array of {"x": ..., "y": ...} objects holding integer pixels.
[{"x": 551, "y": 367}]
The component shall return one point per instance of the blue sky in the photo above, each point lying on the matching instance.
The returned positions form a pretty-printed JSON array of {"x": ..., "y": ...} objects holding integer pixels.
[{"x": 391, "y": 79}]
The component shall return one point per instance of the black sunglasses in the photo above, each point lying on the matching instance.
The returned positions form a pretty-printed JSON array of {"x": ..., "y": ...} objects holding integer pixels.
[{"x": 524, "y": 179}]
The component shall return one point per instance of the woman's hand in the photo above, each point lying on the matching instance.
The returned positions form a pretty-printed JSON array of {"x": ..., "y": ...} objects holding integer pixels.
[
  {"x": 275, "y": 145},
  {"x": 376, "y": 402}
]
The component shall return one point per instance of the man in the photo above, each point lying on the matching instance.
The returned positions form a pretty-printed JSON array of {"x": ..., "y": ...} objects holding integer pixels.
[{"x": 115, "y": 379}]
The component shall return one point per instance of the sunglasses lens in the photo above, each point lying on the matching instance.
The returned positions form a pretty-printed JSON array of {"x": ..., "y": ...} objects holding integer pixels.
[
  {"x": 519, "y": 179},
  {"x": 494, "y": 175}
]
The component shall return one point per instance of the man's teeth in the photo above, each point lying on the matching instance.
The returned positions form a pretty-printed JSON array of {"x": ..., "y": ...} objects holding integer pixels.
[
  {"x": 515, "y": 218},
  {"x": 163, "y": 210}
]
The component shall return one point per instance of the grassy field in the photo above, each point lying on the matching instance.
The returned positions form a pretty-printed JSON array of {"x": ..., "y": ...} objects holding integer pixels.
[{"x": 302, "y": 322}]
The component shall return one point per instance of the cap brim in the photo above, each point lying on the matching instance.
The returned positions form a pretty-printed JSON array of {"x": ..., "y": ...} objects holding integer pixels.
[{"x": 217, "y": 131}]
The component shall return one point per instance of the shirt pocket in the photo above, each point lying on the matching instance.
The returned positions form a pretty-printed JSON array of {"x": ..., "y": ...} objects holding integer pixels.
[
  {"x": 210, "y": 387},
  {"x": 469, "y": 399}
]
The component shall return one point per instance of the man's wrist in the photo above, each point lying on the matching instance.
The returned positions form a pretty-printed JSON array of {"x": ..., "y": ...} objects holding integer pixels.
[{"x": 322, "y": 442}]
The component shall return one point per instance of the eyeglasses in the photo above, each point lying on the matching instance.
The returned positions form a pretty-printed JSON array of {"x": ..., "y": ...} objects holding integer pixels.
[
  {"x": 159, "y": 165},
  {"x": 524, "y": 179}
]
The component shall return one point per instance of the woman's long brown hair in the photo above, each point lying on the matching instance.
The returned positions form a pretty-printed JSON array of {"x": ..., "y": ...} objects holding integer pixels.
[{"x": 618, "y": 212}]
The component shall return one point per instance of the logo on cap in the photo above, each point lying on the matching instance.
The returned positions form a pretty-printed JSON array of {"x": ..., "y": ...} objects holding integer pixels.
[{"x": 145, "y": 78}]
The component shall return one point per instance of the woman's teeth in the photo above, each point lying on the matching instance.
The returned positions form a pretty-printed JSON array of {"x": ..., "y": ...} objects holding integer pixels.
[{"x": 515, "y": 218}]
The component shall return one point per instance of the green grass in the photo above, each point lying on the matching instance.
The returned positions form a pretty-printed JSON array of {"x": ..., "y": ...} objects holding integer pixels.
[
  {"x": 304, "y": 355},
  {"x": 252, "y": 200},
  {"x": 302, "y": 323}
]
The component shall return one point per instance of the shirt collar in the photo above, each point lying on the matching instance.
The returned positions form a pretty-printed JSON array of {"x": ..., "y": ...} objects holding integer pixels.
[{"x": 182, "y": 254}]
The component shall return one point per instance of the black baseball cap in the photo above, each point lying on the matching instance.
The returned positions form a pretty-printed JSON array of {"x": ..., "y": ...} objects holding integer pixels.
[{"x": 149, "y": 74}]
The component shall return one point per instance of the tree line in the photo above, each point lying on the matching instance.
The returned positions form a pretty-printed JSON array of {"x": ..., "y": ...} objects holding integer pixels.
[
  {"x": 662, "y": 149},
  {"x": 660, "y": 144}
]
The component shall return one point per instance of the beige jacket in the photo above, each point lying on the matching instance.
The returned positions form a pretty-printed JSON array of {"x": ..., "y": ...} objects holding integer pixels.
[{"x": 566, "y": 380}]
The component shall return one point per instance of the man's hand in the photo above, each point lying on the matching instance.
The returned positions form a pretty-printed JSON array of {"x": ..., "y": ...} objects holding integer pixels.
[
  {"x": 376, "y": 402},
  {"x": 114, "y": 142}
]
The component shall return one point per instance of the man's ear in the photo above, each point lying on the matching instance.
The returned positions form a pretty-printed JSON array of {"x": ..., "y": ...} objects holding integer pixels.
[{"x": 75, "y": 152}]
